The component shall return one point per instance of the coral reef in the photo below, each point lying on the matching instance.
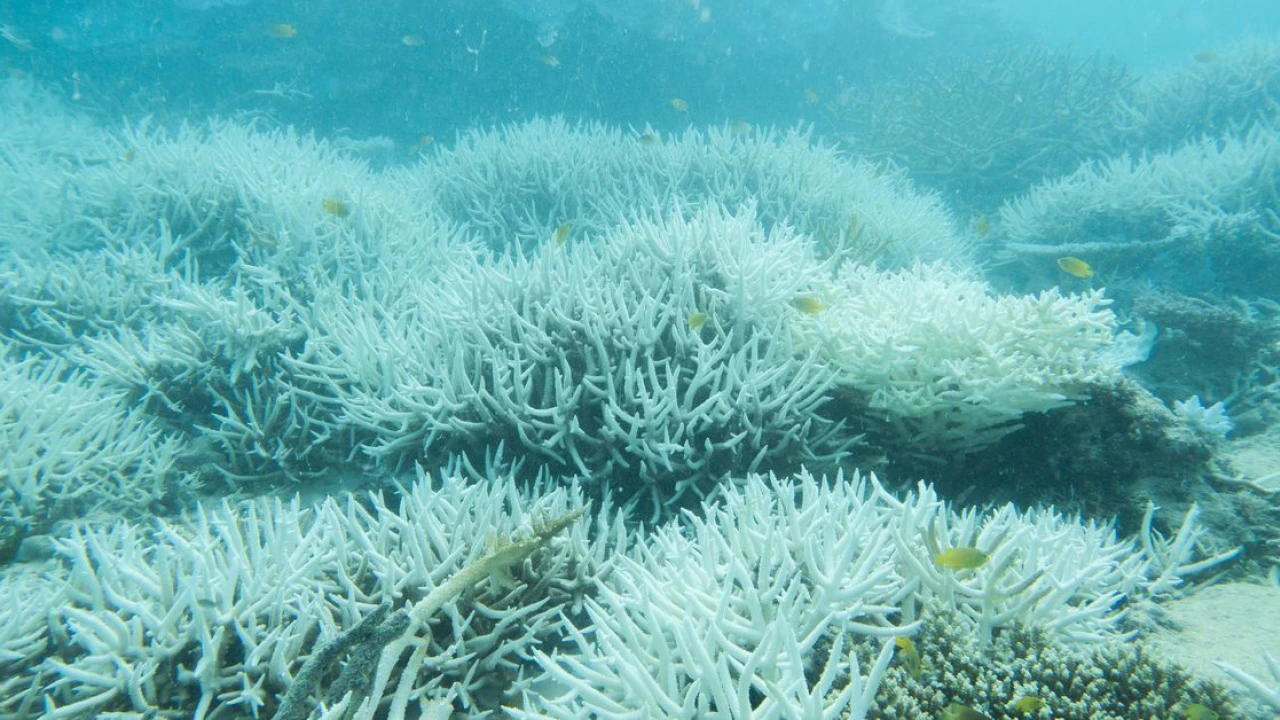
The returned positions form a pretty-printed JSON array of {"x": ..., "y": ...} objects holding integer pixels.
[
  {"x": 536, "y": 316},
  {"x": 948, "y": 365},
  {"x": 1225, "y": 91},
  {"x": 233, "y": 608},
  {"x": 751, "y": 609},
  {"x": 984, "y": 128},
  {"x": 584, "y": 358},
  {"x": 223, "y": 613},
  {"x": 72, "y": 448},
  {"x": 1196, "y": 219},
  {"x": 516, "y": 185},
  {"x": 1106, "y": 681}
]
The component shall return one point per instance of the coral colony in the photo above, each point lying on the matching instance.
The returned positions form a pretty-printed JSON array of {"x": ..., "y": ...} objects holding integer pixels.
[{"x": 565, "y": 421}]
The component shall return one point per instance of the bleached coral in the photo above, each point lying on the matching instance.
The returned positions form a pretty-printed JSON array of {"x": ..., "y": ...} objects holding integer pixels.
[
  {"x": 584, "y": 358},
  {"x": 1183, "y": 213},
  {"x": 984, "y": 126},
  {"x": 1211, "y": 421},
  {"x": 1226, "y": 90},
  {"x": 751, "y": 607},
  {"x": 947, "y": 363},
  {"x": 182, "y": 270},
  {"x": 42, "y": 141},
  {"x": 218, "y": 615},
  {"x": 73, "y": 446},
  {"x": 765, "y": 603},
  {"x": 1264, "y": 691},
  {"x": 518, "y": 183}
]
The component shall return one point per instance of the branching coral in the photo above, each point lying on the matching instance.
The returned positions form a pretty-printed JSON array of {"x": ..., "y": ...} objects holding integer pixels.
[
  {"x": 517, "y": 184},
  {"x": 1225, "y": 91},
  {"x": 72, "y": 446},
  {"x": 947, "y": 364},
  {"x": 1197, "y": 218},
  {"x": 585, "y": 358},
  {"x": 749, "y": 609},
  {"x": 985, "y": 127},
  {"x": 760, "y": 605},
  {"x": 223, "y": 614}
]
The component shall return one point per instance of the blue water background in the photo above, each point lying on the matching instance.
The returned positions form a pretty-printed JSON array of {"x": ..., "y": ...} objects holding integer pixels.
[{"x": 403, "y": 69}]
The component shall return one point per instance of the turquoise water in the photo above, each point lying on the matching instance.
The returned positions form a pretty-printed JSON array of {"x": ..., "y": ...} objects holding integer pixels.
[{"x": 647, "y": 358}]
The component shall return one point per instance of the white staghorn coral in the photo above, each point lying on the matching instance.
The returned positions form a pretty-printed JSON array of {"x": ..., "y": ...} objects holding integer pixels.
[
  {"x": 72, "y": 446},
  {"x": 747, "y": 609},
  {"x": 585, "y": 358},
  {"x": 1263, "y": 691},
  {"x": 218, "y": 615},
  {"x": 516, "y": 184},
  {"x": 1210, "y": 195},
  {"x": 781, "y": 598},
  {"x": 946, "y": 362}
]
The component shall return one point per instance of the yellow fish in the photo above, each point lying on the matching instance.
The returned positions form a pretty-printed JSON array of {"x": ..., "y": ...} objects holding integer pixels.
[
  {"x": 697, "y": 320},
  {"x": 740, "y": 128},
  {"x": 421, "y": 144},
  {"x": 1027, "y": 703},
  {"x": 679, "y": 105},
  {"x": 412, "y": 41},
  {"x": 853, "y": 225},
  {"x": 550, "y": 61},
  {"x": 961, "y": 558},
  {"x": 910, "y": 655},
  {"x": 562, "y": 234},
  {"x": 1196, "y": 711},
  {"x": 811, "y": 97},
  {"x": 982, "y": 225},
  {"x": 1075, "y": 266},
  {"x": 808, "y": 304},
  {"x": 335, "y": 207},
  {"x": 956, "y": 711},
  {"x": 1206, "y": 57},
  {"x": 283, "y": 31}
]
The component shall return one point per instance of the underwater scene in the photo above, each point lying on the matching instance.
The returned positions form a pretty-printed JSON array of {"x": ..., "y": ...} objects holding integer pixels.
[{"x": 737, "y": 359}]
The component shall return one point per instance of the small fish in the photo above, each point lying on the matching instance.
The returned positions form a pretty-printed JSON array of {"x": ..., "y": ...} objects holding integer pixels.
[
  {"x": 421, "y": 144},
  {"x": 283, "y": 31},
  {"x": 808, "y": 304},
  {"x": 412, "y": 41},
  {"x": 550, "y": 61},
  {"x": 1206, "y": 57},
  {"x": 697, "y": 320},
  {"x": 1075, "y": 266},
  {"x": 1196, "y": 711},
  {"x": 335, "y": 207},
  {"x": 649, "y": 139},
  {"x": 811, "y": 97},
  {"x": 679, "y": 105},
  {"x": 1027, "y": 703},
  {"x": 562, "y": 234},
  {"x": 740, "y": 127},
  {"x": 853, "y": 225},
  {"x": 961, "y": 558},
  {"x": 956, "y": 711},
  {"x": 982, "y": 225},
  {"x": 206, "y": 603},
  {"x": 910, "y": 655},
  {"x": 129, "y": 154}
]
